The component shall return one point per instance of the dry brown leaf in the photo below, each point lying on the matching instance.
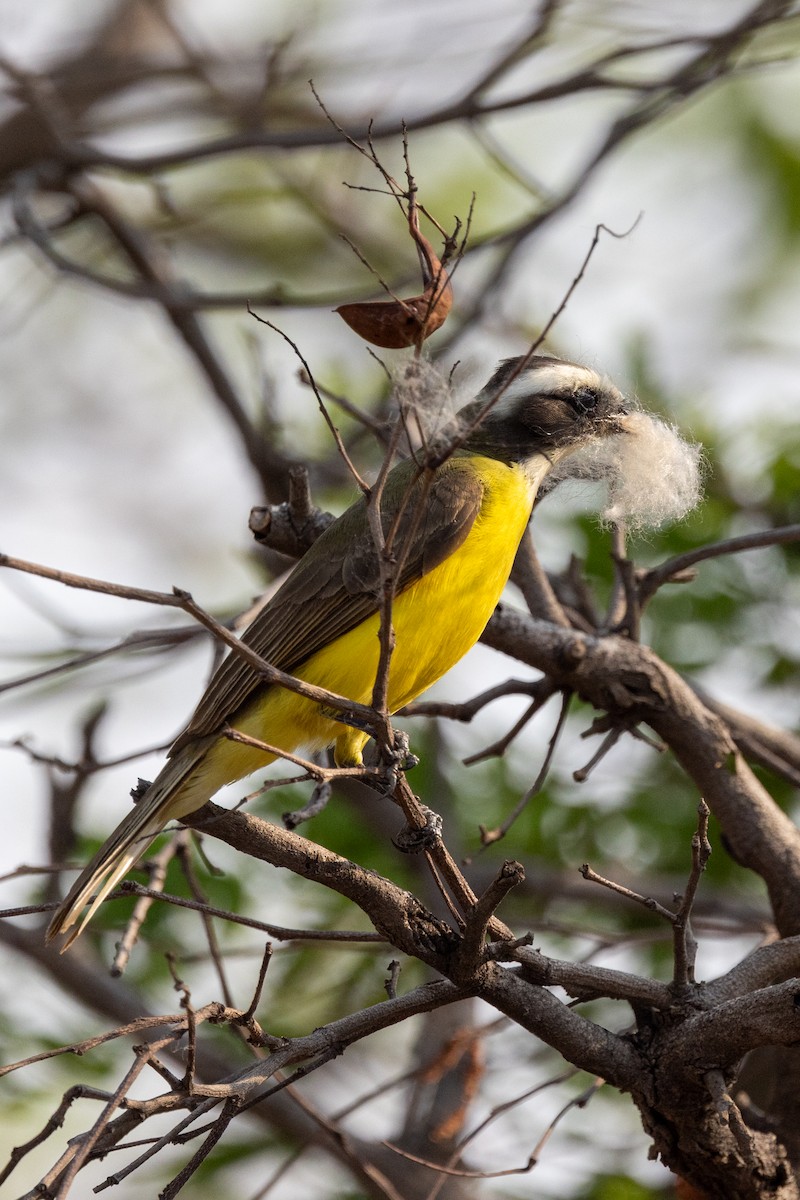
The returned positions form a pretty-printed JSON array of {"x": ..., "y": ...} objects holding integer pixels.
[{"x": 395, "y": 324}]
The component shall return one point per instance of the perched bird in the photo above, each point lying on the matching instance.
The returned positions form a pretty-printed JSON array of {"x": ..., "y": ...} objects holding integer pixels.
[{"x": 455, "y": 530}]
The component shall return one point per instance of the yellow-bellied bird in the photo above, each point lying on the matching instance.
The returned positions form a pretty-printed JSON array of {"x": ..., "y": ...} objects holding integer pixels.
[{"x": 322, "y": 625}]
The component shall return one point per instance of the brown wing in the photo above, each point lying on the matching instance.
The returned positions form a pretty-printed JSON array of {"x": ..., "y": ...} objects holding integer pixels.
[{"x": 336, "y": 584}]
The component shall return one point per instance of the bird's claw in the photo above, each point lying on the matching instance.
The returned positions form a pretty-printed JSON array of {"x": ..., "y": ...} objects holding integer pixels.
[
  {"x": 413, "y": 841},
  {"x": 397, "y": 761}
]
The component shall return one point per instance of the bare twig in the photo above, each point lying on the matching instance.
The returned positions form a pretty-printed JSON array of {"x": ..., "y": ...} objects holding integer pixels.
[
  {"x": 337, "y": 437},
  {"x": 86, "y": 1044},
  {"x": 84, "y": 1146},
  {"x": 646, "y": 901},
  {"x": 490, "y": 836},
  {"x": 156, "y": 868},
  {"x": 498, "y": 748},
  {"x": 461, "y": 1173},
  {"x": 685, "y": 946},
  {"x": 609, "y": 741},
  {"x": 250, "y": 1011},
  {"x": 209, "y": 929},
  {"x": 141, "y": 640},
  {"x": 375, "y": 426},
  {"x": 625, "y": 610},
  {"x": 653, "y": 579},
  {"x": 279, "y": 932},
  {"x": 181, "y": 599}
]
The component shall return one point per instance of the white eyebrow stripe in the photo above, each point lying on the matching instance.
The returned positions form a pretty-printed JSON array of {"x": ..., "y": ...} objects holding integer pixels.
[{"x": 542, "y": 381}]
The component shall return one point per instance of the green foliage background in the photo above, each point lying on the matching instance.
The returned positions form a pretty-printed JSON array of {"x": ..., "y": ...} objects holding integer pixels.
[{"x": 272, "y": 223}]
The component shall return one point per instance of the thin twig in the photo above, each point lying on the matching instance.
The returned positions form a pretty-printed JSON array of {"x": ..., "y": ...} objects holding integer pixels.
[
  {"x": 279, "y": 932},
  {"x": 646, "y": 901},
  {"x": 498, "y": 748},
  {"x": 490, "y": 836},
  {"x": 135, "y": 641},
  {"x": 462, "y": 1173},
  {"x": 685, "y": 946},
  {"x": 652, "y": 580},
  {"x": 313, "y": 770},
  {"x": 498, "y": 1111},
  {"x": 212, "y": 941},
  {"x": 84, "y": 1145},
  {"x": 467, "y": 709},
  {"x": 250, "y": 1011},
  {"x": 157, "y": 875},
  {"x": 609, "y": 741},
  {"x": 373, "y": 424},
  {"x": 229, "y": 1110},
  {"x": 337, "y": 437},
  {"x": 183, "y": 600},
  {"x": 86, "y": 1044}
]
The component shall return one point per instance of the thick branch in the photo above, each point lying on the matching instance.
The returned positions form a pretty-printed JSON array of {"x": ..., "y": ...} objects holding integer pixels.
[
  {"x": 720, "y": 1037},
  {"x": 629, "y": 681},
  {"x": 394, "y": 912},
  {"x": 766, "y": 965},
  {"x": 580, "y": 1041}
]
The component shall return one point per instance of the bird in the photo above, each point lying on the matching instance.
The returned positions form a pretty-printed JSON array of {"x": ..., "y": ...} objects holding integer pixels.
[{"x": 455, "y": 515}]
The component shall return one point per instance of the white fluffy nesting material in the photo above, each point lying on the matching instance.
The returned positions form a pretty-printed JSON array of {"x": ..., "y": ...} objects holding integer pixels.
[{"x": 653, "y": 475}]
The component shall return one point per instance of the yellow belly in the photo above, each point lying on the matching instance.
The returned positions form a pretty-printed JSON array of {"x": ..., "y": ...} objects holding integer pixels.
[{"x": 436, "y": 621}]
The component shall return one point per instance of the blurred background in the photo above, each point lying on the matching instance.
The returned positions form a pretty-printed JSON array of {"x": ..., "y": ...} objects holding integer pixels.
[{"x": 164, "y": 165}]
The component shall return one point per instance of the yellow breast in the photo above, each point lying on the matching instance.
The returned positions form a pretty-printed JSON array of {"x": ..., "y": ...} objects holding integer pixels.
[{"x": 436, "y": 621}]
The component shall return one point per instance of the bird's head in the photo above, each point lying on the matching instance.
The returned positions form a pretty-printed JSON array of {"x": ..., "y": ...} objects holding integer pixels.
[
  {"x": 542, "y": 408},
  {"x": 559, "y": 420}
]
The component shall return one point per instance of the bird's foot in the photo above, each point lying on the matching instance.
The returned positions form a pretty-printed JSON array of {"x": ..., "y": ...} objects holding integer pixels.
[
  {"x": 397, "y": 761},
  {"x": 413, "y": 841},
  {"x": 319, "y": 798}
]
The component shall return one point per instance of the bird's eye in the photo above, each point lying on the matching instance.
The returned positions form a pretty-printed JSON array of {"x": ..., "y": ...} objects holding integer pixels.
[{"x": 584, "y": 399}]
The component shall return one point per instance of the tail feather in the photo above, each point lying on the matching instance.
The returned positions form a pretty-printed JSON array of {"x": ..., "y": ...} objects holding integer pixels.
[{"x": 160, "y": 804}]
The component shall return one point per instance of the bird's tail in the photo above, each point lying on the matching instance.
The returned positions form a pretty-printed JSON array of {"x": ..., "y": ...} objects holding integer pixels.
[{"x": 161, "y": 803}]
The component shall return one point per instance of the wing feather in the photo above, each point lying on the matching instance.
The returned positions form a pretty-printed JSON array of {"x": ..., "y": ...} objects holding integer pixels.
[{"x": 336, "y": 584}]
